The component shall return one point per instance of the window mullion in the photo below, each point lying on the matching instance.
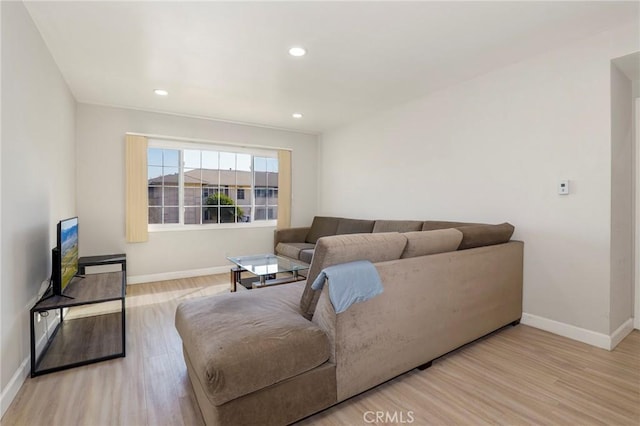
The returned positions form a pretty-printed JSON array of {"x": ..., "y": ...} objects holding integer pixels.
[
  {"x": 235, "y": 213},
  {"x": 253, "y": 186},
  {"x": 181, "y": 188},
  {"x": 201, "y": 198},
  {"x": 164, "y": 174},
  {"x": 219, "y": 188}
]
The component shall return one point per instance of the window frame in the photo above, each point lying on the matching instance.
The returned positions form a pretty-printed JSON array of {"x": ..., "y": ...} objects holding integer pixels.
[{"x": 219, "y": 147}]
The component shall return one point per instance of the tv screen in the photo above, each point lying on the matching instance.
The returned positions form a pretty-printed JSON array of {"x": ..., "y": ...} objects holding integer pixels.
[{"x": 68, "y": 247}]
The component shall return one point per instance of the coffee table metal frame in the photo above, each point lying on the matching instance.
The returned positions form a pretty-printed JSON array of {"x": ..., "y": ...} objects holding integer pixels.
[{"x": 265, "y": 267}]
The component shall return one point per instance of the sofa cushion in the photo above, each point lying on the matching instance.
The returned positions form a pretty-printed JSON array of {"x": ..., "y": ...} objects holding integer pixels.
[
  {"x": 306, "y": 255},
  {"x": 241, "y": 342},
  {"x": 348, "y": 248},
  {"x": 397, "y": 225},
  {"x": 422, "y": 243},
  {"x": 354, "y": 226},
  {"x": 293, "y": 250},
  {"x": 430, "y": 225},
  {"x": 485, "y": 235},
  {"x": 322, "y": 226}
]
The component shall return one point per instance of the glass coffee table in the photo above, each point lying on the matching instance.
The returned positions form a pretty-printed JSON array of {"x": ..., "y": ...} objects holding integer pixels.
[{"x": 265, "y": 267}]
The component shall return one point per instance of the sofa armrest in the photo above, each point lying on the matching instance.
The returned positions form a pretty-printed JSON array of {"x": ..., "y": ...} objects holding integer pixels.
[
  {"x": 290, "y": 235},
  {"x": 431, "y": 305}
]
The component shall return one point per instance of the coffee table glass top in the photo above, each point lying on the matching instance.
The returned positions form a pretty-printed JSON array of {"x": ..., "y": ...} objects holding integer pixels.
[{"x": 267, "y": 264}]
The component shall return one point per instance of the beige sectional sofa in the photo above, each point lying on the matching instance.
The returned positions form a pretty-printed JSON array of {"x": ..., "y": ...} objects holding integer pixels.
[
  {"x": 299, "y": 243},
  {"x": 279, "y": 354}
]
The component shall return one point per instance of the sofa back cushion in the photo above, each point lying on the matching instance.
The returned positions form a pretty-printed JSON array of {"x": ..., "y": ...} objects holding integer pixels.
[
  {"x": 422, "y": 243},
  {"x": 354, "y": 226},
  {"x": 322, "y": 226},
  {"x": 397, "y": 225},
  {"x": 348, "y": 248},
  {"x": 485, "y": 235},
  {"x": 430, "y": 225}
]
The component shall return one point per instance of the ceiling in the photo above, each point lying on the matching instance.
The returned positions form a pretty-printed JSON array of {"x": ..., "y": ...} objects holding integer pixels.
[{"x": 230, "y": 61}]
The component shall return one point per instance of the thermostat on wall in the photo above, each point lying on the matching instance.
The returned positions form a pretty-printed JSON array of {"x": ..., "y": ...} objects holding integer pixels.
[{"x": 563, "y": 187}]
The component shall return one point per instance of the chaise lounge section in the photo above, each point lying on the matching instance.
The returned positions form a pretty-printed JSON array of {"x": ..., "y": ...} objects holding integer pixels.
[{"x": 276, "y": 355}]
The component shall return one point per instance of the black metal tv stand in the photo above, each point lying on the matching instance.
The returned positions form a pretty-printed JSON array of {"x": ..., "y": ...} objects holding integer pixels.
[{"x": 89, "y": 338}]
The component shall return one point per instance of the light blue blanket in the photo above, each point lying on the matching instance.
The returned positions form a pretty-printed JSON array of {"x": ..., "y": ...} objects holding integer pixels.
[{"x": 349, "y": 283}]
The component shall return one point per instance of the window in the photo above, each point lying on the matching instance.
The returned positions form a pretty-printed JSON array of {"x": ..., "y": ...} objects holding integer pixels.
[
  {"x": 211, "y": 186},
  {"x": 162, "y": 174}
]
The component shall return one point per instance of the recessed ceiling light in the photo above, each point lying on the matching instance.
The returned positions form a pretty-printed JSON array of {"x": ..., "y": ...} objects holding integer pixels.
[
  {"x": 297, "y": 51},
  {"x": 296, "y": 115},
  {"x": 161, "y": 92}
]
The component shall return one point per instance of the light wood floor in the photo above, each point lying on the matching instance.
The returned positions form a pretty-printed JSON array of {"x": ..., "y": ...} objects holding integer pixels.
[{"x": 519, "y": 375}]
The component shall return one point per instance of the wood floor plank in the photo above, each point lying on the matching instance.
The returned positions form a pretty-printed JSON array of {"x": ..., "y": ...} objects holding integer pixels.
[
  {"x": 519, "y": 375},
  {"x": 161, "y": 389}
]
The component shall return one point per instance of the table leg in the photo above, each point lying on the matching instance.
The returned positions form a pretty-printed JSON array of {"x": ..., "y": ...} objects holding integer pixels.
[{"x": 234, "y": 278}]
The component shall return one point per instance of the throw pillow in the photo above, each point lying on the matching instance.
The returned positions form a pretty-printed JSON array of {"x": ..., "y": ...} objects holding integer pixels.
[
  {"x": 354, "y": 226},
  {"x": 348, "y": 248},
  {"x": 322, "y": 226}
]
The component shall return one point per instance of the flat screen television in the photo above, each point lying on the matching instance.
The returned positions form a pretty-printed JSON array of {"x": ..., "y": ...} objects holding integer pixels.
[{"x": 65, "y": 255}]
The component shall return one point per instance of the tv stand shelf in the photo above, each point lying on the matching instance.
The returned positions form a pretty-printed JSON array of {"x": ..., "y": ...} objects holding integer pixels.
[
  {"x": 90, "y": 338},
  {"x": 108, "y": 259}
]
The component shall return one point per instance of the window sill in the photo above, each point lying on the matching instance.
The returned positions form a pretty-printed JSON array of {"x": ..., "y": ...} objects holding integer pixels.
[{"x": 176, "y": 227}]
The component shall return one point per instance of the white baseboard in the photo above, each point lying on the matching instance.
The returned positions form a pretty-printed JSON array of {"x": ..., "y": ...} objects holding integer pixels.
[
  {"x": 583, "y": 335},
  {"x": 11, "y": 390},
  {"x": 622, "y": 332},
  {"x": 636, "y": 322},
  {"x": 139, "y": 279}
]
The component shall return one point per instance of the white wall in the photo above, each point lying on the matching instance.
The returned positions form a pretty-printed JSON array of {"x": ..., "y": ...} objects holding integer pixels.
[
  {"x": 622, "y": 196},
  {"x": 38, "y": 181},
  {"x": 100, "y": 135},
  {"x": 492, "y": 149}
]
